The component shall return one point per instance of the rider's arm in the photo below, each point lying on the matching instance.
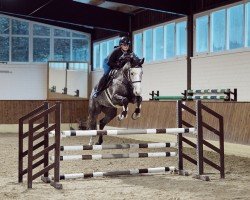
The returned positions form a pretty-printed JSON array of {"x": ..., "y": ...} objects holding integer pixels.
[{"x": 113, "y": 59}]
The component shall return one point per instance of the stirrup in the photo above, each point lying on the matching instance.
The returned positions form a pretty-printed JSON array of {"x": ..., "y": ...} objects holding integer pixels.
[{"x": 96, "y": 94}]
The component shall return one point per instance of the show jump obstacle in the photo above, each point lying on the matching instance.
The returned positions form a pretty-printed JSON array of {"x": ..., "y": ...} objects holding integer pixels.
[
  {"x": 37, "y": 152},
  {"x": 207, "y": 94}
]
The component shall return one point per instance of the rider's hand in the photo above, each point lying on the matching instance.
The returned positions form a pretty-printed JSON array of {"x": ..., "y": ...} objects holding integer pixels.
[{"x": 120, "y": 64}]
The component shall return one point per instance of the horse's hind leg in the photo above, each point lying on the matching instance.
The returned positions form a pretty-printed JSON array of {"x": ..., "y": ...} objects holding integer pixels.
[
  {"x": 110, "y": 114},
  {"x": 94, "y": 111}
]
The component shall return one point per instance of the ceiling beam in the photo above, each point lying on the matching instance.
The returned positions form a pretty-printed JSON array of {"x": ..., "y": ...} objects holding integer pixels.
[
  {"x": 69, "y": 12},
  {"x": 85, "y": 14},
  {"x": 180, "y": 7}
]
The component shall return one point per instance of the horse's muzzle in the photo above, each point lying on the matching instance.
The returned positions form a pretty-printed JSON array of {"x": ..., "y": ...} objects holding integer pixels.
[{"x": 137, "y": 90}]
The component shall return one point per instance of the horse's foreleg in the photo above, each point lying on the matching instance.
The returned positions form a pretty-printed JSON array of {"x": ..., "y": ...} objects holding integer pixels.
[
  {"x": 123, "y": 101},
  {"x": 91, "y": 126},
  {"x": 110, "y": 113},
  {"x": 137, "y": 112}
]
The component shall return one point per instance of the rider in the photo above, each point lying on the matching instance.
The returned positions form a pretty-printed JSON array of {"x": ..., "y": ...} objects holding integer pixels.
[{"x": 113, "y": 62}]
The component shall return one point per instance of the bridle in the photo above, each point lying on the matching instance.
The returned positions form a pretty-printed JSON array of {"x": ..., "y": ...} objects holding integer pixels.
[{"x": 128, "y": 76}]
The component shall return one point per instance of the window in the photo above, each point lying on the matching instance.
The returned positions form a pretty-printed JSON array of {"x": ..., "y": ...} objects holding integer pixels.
[
  {"x": 4, "y": 25},
  {"x": 110, "y": 46},
  {"x": 61, "y": 33},
  {"x": 138, "y": 45},
  {"x": 148, "y": 45},
  {"x": 41, "y": 49},
  {"x": 181, "y": 38},
  {"x": 41, "y": 43},
  {"x": 169, "y": 40},
  {"x": 20, "y": 27},
  {"x": 235, "y": 16},
  {"x": 248, "y": 24},
  {"x": 158, "y": 44},
  {"x": 202, "y": 34},
  {"x": 103, "y": 52},
  {"x": 80, "y": 49},
  {"x": 62, "y": 49},
  {"x": 224, "y": 29},
  {"x": 162, "y": 42},
  {"x": 62, "y": 45},
  {"x": 96, "y": 56},
  {"x": 4, "y": 39},
  {"x": 218, "y": 30},
  {"x": 20, "y": 41},
  {"x": 4, "y": 48},
  {"x": 78, "y": 35},
  {"x": 116, "y": 42},
  {"x": 78, "y": 66},
  {"x": 39, "y": 30},
  {"x": 20, "y": 49}
]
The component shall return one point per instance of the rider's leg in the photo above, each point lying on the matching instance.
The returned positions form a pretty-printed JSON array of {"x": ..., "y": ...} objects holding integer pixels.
[{"x": 101, "y": 85}]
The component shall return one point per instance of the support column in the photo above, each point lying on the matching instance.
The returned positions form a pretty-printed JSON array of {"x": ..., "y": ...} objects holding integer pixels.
[{"x": 190, "y": 39}]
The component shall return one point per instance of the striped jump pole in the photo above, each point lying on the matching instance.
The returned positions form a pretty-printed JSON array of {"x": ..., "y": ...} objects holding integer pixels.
[
  {"x": 208, "y": 97},
  {"x": 117, "y": 173},
  {"x": 209, "y": 91},
  {"x": 118, "y": 146},
  {"x": 123, "y": 132},
  {"x": 115, "y": 156}
]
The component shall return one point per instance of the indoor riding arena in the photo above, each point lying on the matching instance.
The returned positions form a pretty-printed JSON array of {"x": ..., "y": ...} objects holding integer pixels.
[{"x": 125, "y": 99}]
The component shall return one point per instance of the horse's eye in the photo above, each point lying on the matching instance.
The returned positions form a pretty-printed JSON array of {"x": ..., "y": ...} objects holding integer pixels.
[{"x": 132, "y": 74}]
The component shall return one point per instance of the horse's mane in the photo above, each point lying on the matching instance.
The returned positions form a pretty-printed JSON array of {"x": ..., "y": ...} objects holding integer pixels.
[{"x": 134, "y": 61}]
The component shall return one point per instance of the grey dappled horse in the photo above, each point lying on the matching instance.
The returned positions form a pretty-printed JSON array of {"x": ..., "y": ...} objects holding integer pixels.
[{"x": 125, "y": 88}]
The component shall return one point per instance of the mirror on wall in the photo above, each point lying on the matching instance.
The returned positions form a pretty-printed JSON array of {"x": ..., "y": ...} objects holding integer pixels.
[{"x": 67, "y": 80}]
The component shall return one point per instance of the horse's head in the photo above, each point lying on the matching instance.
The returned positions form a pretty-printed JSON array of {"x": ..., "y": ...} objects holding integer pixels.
[{"x": 133, "y": 72}]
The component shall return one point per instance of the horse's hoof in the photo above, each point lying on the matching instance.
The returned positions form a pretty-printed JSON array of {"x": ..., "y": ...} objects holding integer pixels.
[
  {"x": 136, "y": 116},
  {"x": 120, "y": 117}
]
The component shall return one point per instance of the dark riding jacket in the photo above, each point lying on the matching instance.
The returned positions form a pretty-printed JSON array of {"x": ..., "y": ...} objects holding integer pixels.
[{"x": 113, "y": 60}]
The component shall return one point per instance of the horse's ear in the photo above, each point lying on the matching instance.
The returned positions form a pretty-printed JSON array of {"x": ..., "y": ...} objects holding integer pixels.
[{"x": 141, "y": 61}]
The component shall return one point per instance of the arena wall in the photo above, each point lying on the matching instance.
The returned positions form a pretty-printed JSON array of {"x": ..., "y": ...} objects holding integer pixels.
[{"x": 153, "y": 115}]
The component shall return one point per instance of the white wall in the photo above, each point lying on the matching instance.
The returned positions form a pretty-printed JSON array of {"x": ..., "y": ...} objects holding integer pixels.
[
  {"x": 168, "y": 77},
  {"x": 231, "y": 70},
  {"x": 220, "y": 71},
  {"x": 29, "y": 81},
  {"x": 23, "y": 82},
  {"x": 78, "y": 80},
  {"x": 95, "y": 77},
  {"x": 57, "y": 78}
]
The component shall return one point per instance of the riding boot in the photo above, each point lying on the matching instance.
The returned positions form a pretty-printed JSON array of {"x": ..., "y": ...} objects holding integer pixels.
[{"x": 101, "y": 85}]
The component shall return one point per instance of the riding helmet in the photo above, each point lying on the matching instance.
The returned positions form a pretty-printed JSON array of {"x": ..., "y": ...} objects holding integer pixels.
[{"x": 124, "y": 40}]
